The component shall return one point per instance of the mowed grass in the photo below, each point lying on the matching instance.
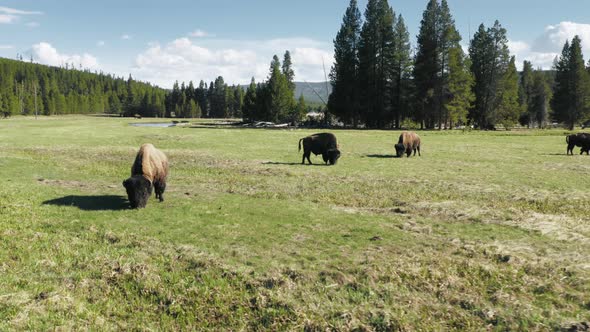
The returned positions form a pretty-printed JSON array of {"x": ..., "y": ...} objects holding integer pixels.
[{"x": 487, "y": 230}]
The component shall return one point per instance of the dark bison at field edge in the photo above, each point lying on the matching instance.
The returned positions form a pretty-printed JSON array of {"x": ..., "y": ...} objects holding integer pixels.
[
  {"x": 149, "y": 170},
  {"x": 580, "y": 139},
  {"x": 408, "y": 142},
  {"x": 324, "y": 144}
]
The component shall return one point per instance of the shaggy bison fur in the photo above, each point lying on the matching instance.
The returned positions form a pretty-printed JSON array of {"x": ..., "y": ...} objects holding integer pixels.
[
  {"x": 580, "y": 139},
  {"x": 322, "y": 143},
  {"x": 408, "y": 142},
  {"x": 149, "y": 170}
]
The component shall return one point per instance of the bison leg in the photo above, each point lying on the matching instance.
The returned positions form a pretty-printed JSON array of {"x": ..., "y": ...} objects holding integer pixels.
[
  {"x": 309, "y": 160},
  {"x": 306, "y": 154},
  {"x": 418, "y": 151},
  {"x": 160, "y": 187}
]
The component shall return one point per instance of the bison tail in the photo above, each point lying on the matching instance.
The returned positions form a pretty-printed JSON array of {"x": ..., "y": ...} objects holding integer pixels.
[
  {"x": 567, "y": 139},
  {"x": 300, "y": 144}
]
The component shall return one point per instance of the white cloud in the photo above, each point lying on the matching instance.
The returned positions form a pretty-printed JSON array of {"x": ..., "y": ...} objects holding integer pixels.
[
  {"x": 33, "y": 24},
  {"x": 18, "y": 11},
  {"x": 11, "y": 15},
  {"x": 237, "y": 61},
  {"x": 126, "y": 37},
  {"x": 543, "y": 50},
  {"x": 46, "y": 54},
  {"x": 199, "y": 34},
  {"x": 6, "y": 47},
  {"x": 7, "y": 18},
  {"x": 100, "y": 43}
]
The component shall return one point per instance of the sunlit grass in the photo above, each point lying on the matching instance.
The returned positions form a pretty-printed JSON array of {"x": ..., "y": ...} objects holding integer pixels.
[{"x": 485, "y": 230}]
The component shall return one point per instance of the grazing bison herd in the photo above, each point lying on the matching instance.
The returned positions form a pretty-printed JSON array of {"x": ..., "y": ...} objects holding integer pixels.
[{"x": 150, "y": 168}]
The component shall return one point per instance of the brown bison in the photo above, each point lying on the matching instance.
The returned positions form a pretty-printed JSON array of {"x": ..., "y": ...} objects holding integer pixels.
[
  {"x": 324, "y": 144},
  {"x": 580, "y": 139},
  {"x": 149, "y": 170},
  {"x": 408, "y": 142}
]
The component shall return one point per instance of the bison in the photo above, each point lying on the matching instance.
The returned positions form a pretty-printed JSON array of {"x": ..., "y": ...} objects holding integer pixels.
[
  {"x": 322, "y": 143},
  {"x": 149, "y": 170},
  {"x": 580, "y": 139},
  {"x": 408, "y": 142}
]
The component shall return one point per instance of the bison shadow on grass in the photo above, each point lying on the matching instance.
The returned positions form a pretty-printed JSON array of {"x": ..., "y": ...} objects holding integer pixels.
[
  {"x": 382, "y": 156},
  {"x": 92, "y": 203},
  {"x": 290, "y": 164}
]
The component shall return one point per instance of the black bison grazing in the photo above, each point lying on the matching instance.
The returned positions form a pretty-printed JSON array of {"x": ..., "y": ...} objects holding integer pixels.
[
  {"x": 324, "y": 144},
  {"x": 580, "y": 139},
  {"x": 408, "y": 142},
  {"x": 149, "y": 170}
]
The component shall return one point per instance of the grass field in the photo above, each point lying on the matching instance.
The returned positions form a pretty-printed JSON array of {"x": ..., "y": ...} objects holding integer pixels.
[{"x": 484, "y": 231}]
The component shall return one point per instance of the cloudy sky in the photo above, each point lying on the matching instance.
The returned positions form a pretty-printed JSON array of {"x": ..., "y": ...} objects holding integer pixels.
[{"x": 164, "y": 41}]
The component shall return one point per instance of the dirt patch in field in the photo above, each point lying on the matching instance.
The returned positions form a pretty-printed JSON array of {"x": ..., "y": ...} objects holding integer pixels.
[
  {"x": 63, "y": 183},
  {"x": 561, "y": 227}
]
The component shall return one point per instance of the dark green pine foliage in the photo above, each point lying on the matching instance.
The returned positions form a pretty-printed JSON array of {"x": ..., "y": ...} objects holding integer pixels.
[
  {"x": 344, "y": 99},
  {"x": 401, "y": 73},
  {"x": 68, "y": 91},
  {"x": 427, "y": 66},
  {"x": 218, "y": 99},
  {"x": 287, "y": 70},
  {"x": 490, "y": 58},
  {"x": 449, "y": 41},
  {"x": 525, "y": 94},
  {"x": 437, "y": 39},
  {"x": 540, "y": 98},
  {"x": 201, "y": 98},
  {"x": 376, "y": 54},
  {"x": 571, "y": 102},
  {"x": 249, "y": 107},
  {"x": 509, "y": 109},
  {"x": 280, "y": 94}
]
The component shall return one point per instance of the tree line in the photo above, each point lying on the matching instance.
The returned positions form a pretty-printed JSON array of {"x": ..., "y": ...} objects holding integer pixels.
[
  {"x": 28, "y": 88},
  {"x": 379, "y": 81}
]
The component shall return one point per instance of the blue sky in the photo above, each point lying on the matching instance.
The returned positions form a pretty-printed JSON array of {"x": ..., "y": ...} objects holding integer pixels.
[{"x": 161, "y": 41}]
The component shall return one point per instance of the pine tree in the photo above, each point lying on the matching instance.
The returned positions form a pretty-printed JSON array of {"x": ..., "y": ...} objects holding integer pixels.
[
  {"x": 509, "y": 109},
  {"x": 288, "y": 71},
  {"x": 300, "y": 109},
  {"x": 249, "y": 108},
  {"x": 376, "y": 54},
  {"x": 572, "y": 86},
  {"x": 402, "y": 67},
  {"x": 525, "y": 93},
  {"x": 218, "y": 99},
  {"x": 279, "y": 94},
  {"x": 427, "y": 65},
  {"x": 490, "y": 58},
  {"x": 460, "y": 88},
  {"x": 344, "y": 99},
  {"x": 539, "y": 99},
  {"x": 201, "y": 98}
]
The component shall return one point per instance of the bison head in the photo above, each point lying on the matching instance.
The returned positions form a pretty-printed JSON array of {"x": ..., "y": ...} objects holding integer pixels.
[
  {"x": 333, "y": 155},
  {"x": 399, "y": 149},
  {"x": 139, "y": 190}
]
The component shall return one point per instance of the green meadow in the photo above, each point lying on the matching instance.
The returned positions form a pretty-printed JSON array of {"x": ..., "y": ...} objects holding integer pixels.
[{"x": 484, "y": 231}]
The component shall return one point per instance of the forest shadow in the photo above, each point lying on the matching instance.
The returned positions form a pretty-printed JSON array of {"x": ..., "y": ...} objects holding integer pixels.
[
  {"x": 382, "y": 156},
  {"x": 92, "y": 203}
]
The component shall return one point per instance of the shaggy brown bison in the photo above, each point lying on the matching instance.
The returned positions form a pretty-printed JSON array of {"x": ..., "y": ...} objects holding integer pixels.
[
  {"x": 408, "y": 142},
  {"x": 580, "y": 139},
  {"x": 149, "y": 170},
  {"x": 324, "y": 144}
]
